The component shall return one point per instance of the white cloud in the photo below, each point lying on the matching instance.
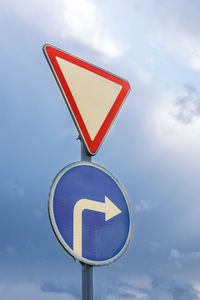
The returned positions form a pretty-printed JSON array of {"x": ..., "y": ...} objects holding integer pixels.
[
  {"x": 166, "y": 287},
  {"x": 180, "y": 258},
  {"x": 175, "y": 123},
  {"x": 177, "y": 34},
  {"x": 127, "y": 291},
  {"x": 170, "y": 27},
  {"x": 85, "y": 23},
  {"x": 143, "y": 205},
  {"x": 28, "y": 290},
  {"x": 197, "y": 288},
  {"x": 80, "y": 20},
  {"x": 155, "y": 246},
  {"x": 178, "y": 42},
  {"x": 175, "y": 254}
]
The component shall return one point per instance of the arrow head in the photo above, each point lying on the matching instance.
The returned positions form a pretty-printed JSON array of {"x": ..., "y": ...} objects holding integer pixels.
[{"x": 111, "y": 209}]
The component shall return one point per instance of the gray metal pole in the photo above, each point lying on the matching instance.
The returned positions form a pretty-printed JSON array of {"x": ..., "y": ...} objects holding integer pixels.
[
  {"x": 87, "y": 270},
  {"x": 87, "y": 282},
  {"x": 85, "y": 156}
]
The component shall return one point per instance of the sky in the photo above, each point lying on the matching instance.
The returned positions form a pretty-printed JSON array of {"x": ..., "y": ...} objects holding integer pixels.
[{"x": 152, "y": 148}]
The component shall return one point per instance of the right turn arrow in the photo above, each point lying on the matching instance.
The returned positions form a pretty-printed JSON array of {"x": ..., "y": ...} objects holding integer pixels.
[{"x": 108, "y": 208}]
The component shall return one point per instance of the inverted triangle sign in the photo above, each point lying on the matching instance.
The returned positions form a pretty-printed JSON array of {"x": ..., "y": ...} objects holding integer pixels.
[{"x": 93, "y": 96}]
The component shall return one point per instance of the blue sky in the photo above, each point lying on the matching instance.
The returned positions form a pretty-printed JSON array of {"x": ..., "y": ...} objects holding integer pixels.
[{"x": 152, "y": 149}]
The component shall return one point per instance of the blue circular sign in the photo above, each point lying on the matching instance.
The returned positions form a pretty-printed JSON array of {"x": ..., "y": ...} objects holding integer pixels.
[{"x": 90, "y": 213}]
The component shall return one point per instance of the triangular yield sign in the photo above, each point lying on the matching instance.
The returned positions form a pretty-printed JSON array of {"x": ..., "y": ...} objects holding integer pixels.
[{"x": 94, "y": 96}]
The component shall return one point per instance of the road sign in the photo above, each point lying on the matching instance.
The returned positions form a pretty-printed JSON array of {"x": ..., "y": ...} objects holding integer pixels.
[
  {"x": 90, "y": 213},
  {"x": 94, "y": 96}
]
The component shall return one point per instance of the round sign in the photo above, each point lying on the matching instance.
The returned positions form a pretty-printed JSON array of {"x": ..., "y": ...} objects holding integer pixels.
[{"x": 90, "y": 213}]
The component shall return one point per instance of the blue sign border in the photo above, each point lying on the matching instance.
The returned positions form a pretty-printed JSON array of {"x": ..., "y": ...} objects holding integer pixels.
[{"x": 56, "y": 230}]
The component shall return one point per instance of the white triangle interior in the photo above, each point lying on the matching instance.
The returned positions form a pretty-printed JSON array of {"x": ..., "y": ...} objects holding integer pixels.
[{"x": 94, "y": 95}]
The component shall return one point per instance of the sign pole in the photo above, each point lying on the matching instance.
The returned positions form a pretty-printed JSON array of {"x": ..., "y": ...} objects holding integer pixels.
[
  {"x": 87, "y": 270},
  {"x": 85, "y": 156},
  {"x": 87, "y": 282}
]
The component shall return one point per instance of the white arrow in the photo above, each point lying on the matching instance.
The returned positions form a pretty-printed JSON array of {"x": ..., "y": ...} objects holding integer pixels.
[{"x": 108, "y": 208}]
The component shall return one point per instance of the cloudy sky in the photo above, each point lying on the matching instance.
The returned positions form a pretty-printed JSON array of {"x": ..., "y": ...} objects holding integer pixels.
[{"x": 152, "y": 149}]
